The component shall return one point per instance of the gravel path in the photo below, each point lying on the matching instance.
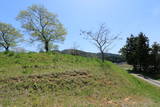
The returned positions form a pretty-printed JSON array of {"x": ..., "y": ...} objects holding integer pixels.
[{"x": 149, "y": 80}]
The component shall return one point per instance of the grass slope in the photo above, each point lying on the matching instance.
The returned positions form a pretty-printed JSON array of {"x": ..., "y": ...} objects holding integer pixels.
[{"x": 57, "y": 80}]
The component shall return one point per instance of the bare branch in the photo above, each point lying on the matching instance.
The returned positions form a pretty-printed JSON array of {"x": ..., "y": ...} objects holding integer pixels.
[{"x": 101, "y": 39}]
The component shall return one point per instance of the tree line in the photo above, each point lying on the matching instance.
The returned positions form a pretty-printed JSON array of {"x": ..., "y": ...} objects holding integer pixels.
[
  {"x": 141, "y": 55},
  {"x": 42, "y": 25}
]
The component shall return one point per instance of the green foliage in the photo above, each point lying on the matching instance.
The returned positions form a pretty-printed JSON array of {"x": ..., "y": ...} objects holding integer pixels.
[
  {"x": 9, "y": 36},
  {"x": 155, "y": 58},
  {"x": 142, "y": 52},
  {"x": 42, "y": 25},
  {"x": 136, "y": 51}
]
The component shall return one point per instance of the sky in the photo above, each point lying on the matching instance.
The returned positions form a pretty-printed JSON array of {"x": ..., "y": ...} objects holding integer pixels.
[{"x": 122, "y": 17}]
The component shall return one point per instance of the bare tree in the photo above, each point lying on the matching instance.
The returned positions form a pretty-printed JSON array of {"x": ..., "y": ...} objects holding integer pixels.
[
  {"x": 75, "y": 49},
  {"x": 101, "y": 39}
]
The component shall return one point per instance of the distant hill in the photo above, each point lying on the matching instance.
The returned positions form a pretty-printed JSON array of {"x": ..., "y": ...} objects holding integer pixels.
[{"x": 115, "y": 58}]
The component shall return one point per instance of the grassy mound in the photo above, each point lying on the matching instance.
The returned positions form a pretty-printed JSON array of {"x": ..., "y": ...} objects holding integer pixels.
[{"x": 57, "y": 80}]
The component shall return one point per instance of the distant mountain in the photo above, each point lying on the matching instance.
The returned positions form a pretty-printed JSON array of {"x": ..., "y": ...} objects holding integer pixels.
[{"x": 116, "y": 58}]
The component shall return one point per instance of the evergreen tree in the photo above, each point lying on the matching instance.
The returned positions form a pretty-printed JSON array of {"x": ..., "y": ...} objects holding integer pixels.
[
  {"x": 142, "y": 52},
  {"x": 129, "y": 51},
  {"x": 155, "y": 57},
  {"x": 136, "y": 52}
]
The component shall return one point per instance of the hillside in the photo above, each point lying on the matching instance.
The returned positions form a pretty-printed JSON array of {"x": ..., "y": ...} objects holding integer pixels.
[
  {"x": 116, "y": 58},
  {"x": 61, "y": 80}
]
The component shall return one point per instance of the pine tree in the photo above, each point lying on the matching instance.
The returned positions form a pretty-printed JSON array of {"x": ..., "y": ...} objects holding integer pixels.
[
  {"x": 129, "y": 51},
  {"x": 136, "y": 52},
  {"x": 142, "y": 52},
  {"x": 155, "y": 57}
]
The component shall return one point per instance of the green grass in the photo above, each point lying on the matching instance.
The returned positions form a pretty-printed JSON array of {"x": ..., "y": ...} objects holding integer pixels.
[
  {"x": 129, "y": 68},
  {"x": 126, "y": 66},
  {"x": 58, "y": 80}
]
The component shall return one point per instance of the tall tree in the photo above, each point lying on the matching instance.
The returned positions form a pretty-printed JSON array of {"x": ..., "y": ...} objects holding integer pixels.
[
  {"x": 9, "y": 36},
  {"x": 101, "y": 39},
  {"x": 136, "y": 52},
  {"x": 142, "y": 51},
  {"x": 129, "y": 51},
  {"x": 42, "y": 25},
  {"x": 155, "y": 57}
]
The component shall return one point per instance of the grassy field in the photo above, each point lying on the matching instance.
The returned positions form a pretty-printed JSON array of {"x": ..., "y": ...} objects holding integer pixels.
[
  {"x": 125, "y": 66},
  {"x": 57, "y": 80}
]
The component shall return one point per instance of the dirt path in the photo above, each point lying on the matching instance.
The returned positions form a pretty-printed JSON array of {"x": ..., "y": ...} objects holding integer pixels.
[{"x": 149, "y": 80}]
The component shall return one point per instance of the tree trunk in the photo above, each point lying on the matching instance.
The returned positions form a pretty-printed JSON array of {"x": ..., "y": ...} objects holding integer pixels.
[
  {"x": 140, "y": 67},
  {"x": 7, "y": 49},
  {"x": 102, "y": 56},
  {"x": 46, "y": 46},
  {"x": 135, "y": 68}
]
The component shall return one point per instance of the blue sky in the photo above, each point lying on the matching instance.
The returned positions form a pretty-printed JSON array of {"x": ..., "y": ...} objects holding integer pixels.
[{"x": 121, "y": 16}]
